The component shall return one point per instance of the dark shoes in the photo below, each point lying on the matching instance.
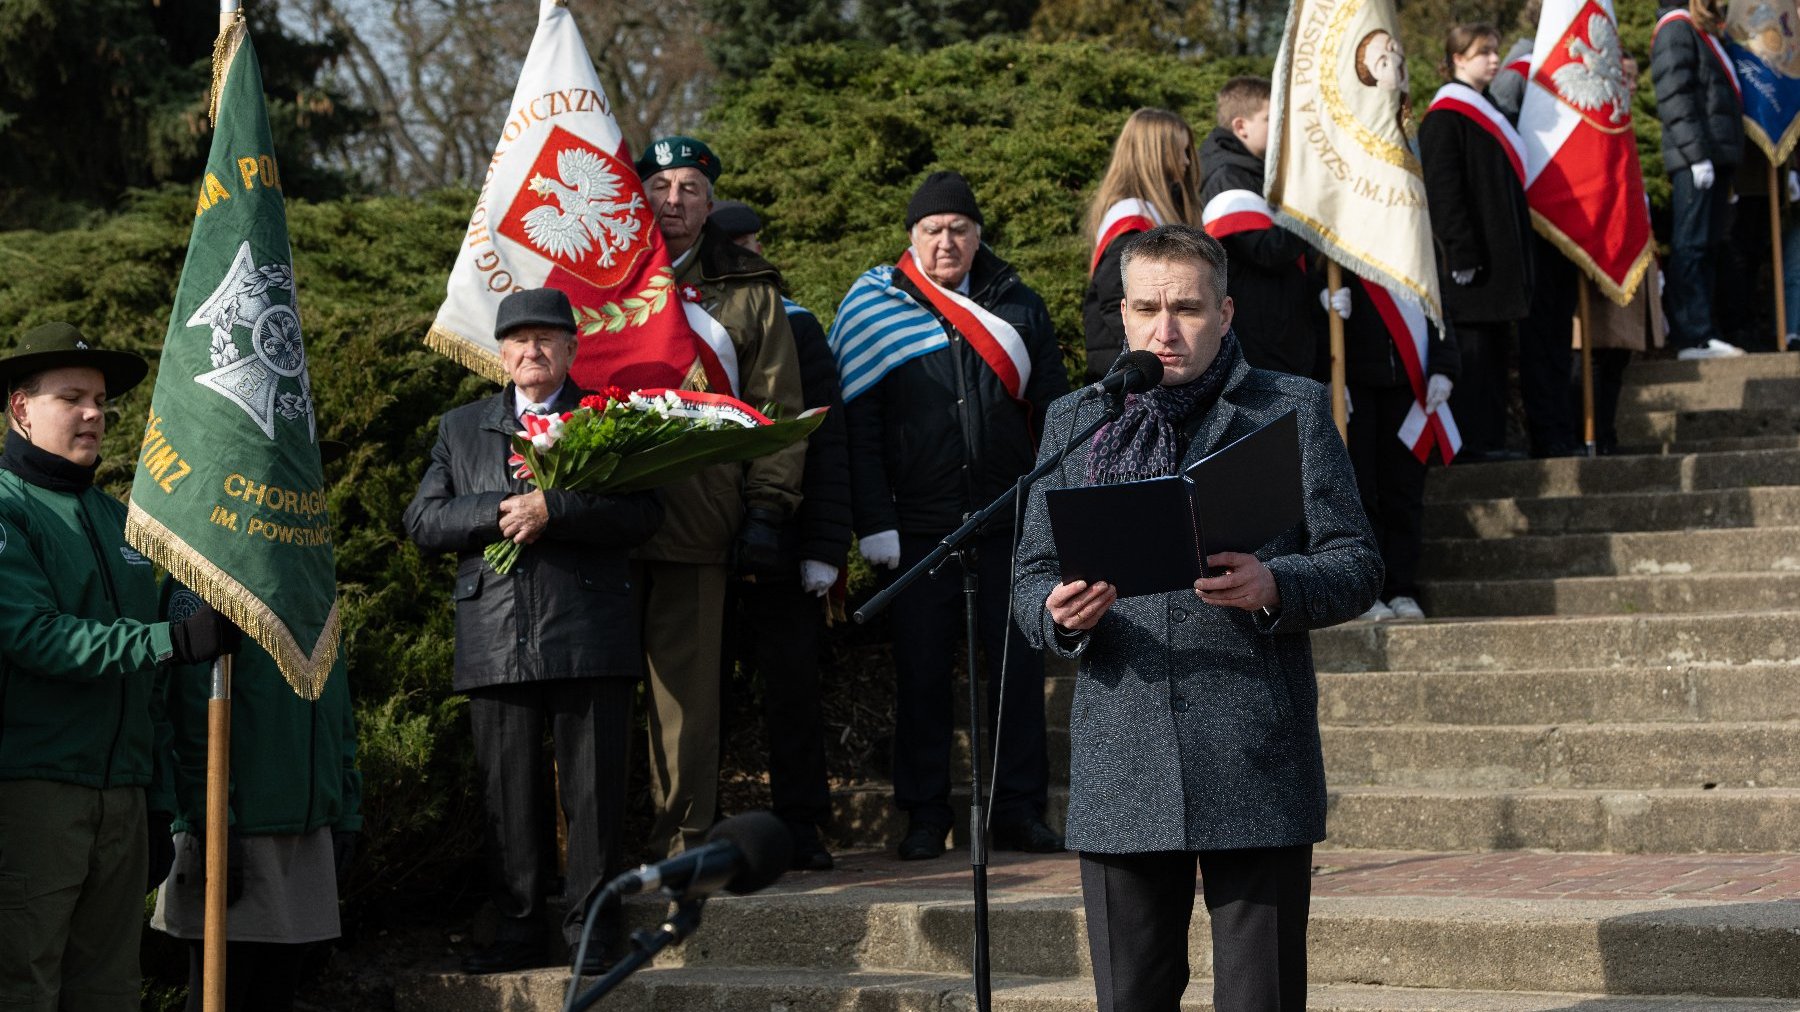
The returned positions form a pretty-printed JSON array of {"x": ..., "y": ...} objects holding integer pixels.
[
  {"x": 506, "y": 956},
  {"x": 923, "y": 842},
  {"x": 809, "y": 853},
  {"x": 597, "y": 962},
  {"x": 1029, "y": 835}
]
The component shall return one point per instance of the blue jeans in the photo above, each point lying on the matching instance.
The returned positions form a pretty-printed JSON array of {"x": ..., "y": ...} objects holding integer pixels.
[
  {"x": 1698, "y": 241},
  {"x": 1790, "y": 270}
]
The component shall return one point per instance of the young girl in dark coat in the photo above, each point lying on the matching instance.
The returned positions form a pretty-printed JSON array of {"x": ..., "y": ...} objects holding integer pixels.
[
  {"x": 1153, "y": 179},
  {"x": 1474, "y": 186}
]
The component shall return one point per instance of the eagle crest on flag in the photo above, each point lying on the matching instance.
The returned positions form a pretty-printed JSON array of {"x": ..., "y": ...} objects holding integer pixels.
[
  {"x": 587, "y": 209},
  {"x": 570, "y": 210},
  {"x": 1586, "y": 71}
]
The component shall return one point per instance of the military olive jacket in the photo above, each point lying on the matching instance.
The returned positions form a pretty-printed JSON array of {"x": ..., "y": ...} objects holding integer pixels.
[{"x": 702, "y": 514}]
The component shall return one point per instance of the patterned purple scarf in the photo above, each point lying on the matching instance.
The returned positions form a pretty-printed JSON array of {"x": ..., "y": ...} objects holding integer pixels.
[{"x": 1145, "y": 440}]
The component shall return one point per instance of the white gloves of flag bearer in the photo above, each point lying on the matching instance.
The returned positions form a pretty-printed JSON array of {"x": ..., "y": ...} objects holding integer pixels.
[
  {"x": 882, "y": 549},
  {"x": 1703, "y": 174},
  {"x": 817, "y": 577},
  {"x": 1335, "y": 302},
  {"x": 1437, "y": 391}
]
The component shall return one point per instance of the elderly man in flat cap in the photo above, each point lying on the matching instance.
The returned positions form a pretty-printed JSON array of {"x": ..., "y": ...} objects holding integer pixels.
[
  {"x": 550, "y": 643},
  {"x": 727, "y": 517},
  {"x": 81, "y": 661},
  {"x": 948, "y": 363}
]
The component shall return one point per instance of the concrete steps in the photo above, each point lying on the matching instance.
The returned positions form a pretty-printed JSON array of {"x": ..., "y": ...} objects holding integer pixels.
[
  {"x": 1613, "y": 595},
  {"x": 1560, "y": 477},
  {"x": 1661, "y": 426},
  {"x": 699, "y": 989},
  {"x": 1764, "y": 506},
  {"x": 1662, "y": 372},
  {"x": 1575, "y": 642},
  {"x": 1643, "y": 553}
]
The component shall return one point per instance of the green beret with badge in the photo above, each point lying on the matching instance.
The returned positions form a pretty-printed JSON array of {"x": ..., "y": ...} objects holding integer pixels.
[{"x": 677, "y": 152}]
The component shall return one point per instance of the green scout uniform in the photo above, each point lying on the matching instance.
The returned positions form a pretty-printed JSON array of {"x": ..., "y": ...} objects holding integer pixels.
[{"x": 80, "y": 656}]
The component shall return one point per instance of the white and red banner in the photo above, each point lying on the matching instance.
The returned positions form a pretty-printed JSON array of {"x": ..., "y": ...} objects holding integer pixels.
[
  {"x": 1339, "y": 171},
  {"x": 1582, "y": 178},
  {"x": 996, "y": 341},
  {"x": 562, "y": 207},
  {"x": 1126, "y": 216},
  {"x": 1422, "y": 431},
  {"x": 1459, "y": 98},
  {"x": 1234, "y": 211}
]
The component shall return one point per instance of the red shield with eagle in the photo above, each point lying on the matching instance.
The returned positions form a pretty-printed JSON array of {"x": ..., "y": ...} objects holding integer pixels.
[
  {"x": 1585, "y": 70},
  {"x": 584, "y": 210}
]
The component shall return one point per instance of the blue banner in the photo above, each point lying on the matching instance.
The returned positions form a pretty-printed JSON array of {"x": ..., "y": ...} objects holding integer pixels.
[{"x": 1763, "y": 40}]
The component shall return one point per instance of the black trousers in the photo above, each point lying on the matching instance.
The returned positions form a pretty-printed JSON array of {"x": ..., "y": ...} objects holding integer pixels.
[
  {"x": 260, "y": 977},
  {"x": 1139, "y": 907},
  {"x": 1545, "y": 358},
  {"x": 589, "y": 720},
  {"x": 1479, "y": 398},
  {"x": 1609, "y": 381},
  {"x": 776, "y": 635},
  {"x": 928, "y": 628},
  {"x": 1391, "y": 482},
  {"x": 1697, "y": 246}
]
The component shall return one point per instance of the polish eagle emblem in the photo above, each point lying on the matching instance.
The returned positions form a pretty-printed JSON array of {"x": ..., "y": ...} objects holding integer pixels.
[
  {"x": 584, "y": 210},
  {"x": 1586, "y": 70}
]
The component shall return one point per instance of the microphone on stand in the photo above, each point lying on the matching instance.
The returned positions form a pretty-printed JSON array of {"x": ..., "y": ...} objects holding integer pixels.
[
  {"x": 1134, "y": 373},
  {"x": 741, "y": 855}
]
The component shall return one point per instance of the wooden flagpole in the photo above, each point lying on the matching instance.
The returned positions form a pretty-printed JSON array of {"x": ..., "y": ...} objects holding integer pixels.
[
  {"x": 218, "y": 788},
  {"x": 1775, "y": 260},
  {"x": 1340, "y": 407},
  {"x": 1587, "y": 365}
]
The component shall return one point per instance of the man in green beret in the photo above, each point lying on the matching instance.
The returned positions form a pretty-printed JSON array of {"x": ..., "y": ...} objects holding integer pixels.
[
  {"x": 81, "y": 657},
  {"x": 727, "y": 516}
]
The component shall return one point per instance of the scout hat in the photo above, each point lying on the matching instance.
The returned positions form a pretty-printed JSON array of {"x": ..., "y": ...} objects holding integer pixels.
[
  {"x": 675, "y": 152},
  {"x": 60, "y": 346}
]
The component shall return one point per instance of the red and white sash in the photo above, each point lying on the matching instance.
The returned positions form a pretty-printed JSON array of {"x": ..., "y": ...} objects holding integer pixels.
[
  {"x": 1126, "y": 216},
  {"x": 718, "y": 340},
  {"x": 995, "y": 340},
  {"x": 1406, "y": 325},
  {"x": 1234, "y": 211},
  {"x": 1460, "y": 98},
  {"x": 1712, "y": 42}
]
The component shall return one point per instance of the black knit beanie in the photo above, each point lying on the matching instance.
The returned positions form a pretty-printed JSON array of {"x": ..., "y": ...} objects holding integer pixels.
[{"x": 942, "y": 193}]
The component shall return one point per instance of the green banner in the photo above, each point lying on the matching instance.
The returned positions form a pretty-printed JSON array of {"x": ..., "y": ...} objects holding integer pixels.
[{"x": 229, "y": 494}]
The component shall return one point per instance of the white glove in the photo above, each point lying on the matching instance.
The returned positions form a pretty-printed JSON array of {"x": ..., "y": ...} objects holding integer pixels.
[
  {"x": 1335, "y": 302},
  {"x": 1437, "y": 391},
  {"x": 1463, "y": 277},
  {"x": 1793, "y": 181},
  {"x": 882, "y": 549},
  {"x": 1703, "y": 174},
  {"x": 817, "y": 577}
]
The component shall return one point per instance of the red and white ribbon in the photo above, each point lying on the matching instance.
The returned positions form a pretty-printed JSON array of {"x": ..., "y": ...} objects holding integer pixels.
[
  {"x": 1123, "y": 218},
  {"x": 1422, "y": 430},
  {"x": 1460, "y": 98},
  {"x": 996, "y": 341}
]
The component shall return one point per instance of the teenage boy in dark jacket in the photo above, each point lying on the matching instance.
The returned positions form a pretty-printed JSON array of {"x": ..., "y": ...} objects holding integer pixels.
[
  {"x": 1280, "y": 323},
  {"x": 1703, "y": 141}
]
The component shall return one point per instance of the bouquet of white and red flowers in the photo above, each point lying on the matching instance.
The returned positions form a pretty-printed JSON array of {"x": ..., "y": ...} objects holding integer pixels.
[{"x": 620, "y": 441}]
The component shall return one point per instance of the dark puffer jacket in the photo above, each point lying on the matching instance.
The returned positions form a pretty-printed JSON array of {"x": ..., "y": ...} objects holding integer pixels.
[
  {"x": 820, "y": 529},
  {"x": 939, "y": 437},
  {"x": 564, "y": 611},
  {"x": 1702, "y": 116},
  {"x": 1277, "y": 314}
]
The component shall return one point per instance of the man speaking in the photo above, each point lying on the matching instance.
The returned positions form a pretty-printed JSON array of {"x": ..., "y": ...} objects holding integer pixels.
[{"x": 1195, "y": 734}]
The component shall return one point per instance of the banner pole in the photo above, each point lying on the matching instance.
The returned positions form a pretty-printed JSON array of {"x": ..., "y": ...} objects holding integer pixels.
[
  {"x": 218, "y": 780},
  {"x": 1340, "y": 408},
  {"x": 1587, "y": 366},
  {"x": 228, "y": 12},
  {"x": 1775, "y": 260}
]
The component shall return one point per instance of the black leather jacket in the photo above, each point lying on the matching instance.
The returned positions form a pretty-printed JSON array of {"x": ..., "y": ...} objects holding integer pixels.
[{"x": 565, "y": 609}]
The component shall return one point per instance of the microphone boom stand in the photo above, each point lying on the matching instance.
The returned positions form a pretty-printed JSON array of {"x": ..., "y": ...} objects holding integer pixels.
[
  {"x": 644, "y": 947},
  {"x": 953, "y": 544}
]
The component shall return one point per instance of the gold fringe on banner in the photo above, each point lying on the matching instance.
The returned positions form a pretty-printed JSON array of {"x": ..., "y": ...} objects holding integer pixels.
[
  {"x": 225, "y": 49},
  {"x": 466, "y": 353},
  {"x": 1327, "y": 241},
  {"x": 305, "y": 673},
  {"x": 1776, "y": 149},
  {"x": 1619, "y": 294}
]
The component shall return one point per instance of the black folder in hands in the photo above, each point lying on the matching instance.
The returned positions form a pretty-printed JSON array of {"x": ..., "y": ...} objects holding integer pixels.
[{"x": 1150, "y": 537}]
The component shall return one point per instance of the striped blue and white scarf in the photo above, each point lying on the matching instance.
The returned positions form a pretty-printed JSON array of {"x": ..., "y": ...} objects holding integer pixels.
[{"x": 879, "y": 327}]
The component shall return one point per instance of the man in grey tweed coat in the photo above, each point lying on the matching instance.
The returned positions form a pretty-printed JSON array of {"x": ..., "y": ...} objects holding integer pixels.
[{"x": 1195, "y": 732}]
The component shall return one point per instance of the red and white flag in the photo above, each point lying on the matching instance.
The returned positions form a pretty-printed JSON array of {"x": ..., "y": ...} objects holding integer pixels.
[
  {"x": 562, "y": 207},
  {"x": 1582, "y": 178},
  {"x": 1421, "y": 431}
]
